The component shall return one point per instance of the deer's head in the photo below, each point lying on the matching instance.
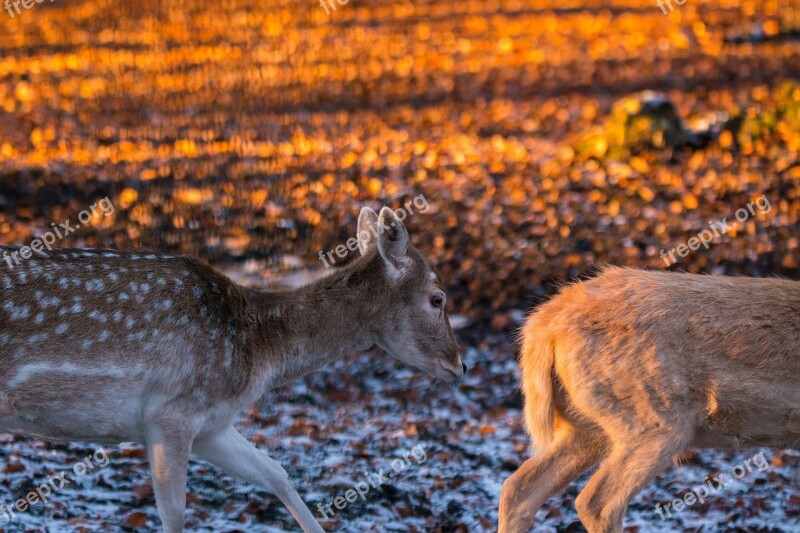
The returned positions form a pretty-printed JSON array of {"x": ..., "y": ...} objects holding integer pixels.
[{"x": 412, "y": 324}]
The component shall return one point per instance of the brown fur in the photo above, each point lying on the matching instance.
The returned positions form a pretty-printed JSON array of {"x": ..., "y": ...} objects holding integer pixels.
[{"x": 633, "y": 367}]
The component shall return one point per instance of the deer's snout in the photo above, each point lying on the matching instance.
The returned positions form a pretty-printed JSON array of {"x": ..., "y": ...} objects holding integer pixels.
[{"x": 457, "y": 370}]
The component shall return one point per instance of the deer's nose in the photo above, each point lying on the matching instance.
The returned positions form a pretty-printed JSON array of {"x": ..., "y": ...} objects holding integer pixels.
[{"x": 464, "y": 367}]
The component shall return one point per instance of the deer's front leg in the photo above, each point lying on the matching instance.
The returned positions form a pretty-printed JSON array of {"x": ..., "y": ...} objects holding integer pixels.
[
  {"x": 168, "y": 451},
  {"x": 233, "y": 453}
]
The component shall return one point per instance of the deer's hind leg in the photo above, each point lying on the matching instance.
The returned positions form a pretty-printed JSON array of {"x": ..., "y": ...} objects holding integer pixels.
[
  {"x": 645, "y": 407},
  {"x": 168, "y": 450},
  {"x": 630, "y": 467},
  {"x": 572, "y": 452}
]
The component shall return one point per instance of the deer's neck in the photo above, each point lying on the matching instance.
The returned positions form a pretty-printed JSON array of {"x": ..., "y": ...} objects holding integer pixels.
[{"x": 299, "y": 331}]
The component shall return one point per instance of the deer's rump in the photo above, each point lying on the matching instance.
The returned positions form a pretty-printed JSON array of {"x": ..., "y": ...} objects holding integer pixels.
[{"x": 722, "y": 353}]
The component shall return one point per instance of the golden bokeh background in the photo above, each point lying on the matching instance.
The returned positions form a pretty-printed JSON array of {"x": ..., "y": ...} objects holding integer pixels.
[{"x": 253, "y": 131}]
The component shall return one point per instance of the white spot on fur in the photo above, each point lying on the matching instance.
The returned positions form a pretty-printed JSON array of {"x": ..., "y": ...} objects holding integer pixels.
[
  {"x": 97, "y": 315},
  {"x": 138, "y": 336},
  {"x": 95, "y": 285},
  {"x": 20, "y": 313},
  {"x": 52, "y": 301}
]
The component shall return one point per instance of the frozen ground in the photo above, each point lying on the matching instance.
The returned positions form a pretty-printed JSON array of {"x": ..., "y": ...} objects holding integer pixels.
[{"x": 355, "y": 418}]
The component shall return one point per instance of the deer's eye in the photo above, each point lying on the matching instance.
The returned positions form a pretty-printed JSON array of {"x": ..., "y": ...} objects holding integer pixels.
[{"x": 437, "y": 301}]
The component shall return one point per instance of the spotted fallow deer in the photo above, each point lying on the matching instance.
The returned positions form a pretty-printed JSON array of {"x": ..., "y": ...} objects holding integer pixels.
[
  {"x": 109, "y": 346},
  {"x": 633, "y": 367}
]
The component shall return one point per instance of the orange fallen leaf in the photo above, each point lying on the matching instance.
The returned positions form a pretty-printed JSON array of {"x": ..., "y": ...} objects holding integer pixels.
[{"x": 136, "y": 520}]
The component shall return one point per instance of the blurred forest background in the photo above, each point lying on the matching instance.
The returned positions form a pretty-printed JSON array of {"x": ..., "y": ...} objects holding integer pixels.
[{"x": 250, "y": 134}]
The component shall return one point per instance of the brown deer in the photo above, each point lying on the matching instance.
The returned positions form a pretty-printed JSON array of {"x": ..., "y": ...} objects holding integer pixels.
[
  {"x": 633, "y": 367},
  {"x": 108, "y": 346}
]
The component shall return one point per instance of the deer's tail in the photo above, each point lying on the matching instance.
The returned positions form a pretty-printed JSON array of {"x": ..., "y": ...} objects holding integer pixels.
[{"x": 537, "y": 362}]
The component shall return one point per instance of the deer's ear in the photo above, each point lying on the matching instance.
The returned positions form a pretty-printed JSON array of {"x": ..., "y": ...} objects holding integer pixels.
[
  {"x": 367, "y": 229},
  {"x": 392, "y": 239}
]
